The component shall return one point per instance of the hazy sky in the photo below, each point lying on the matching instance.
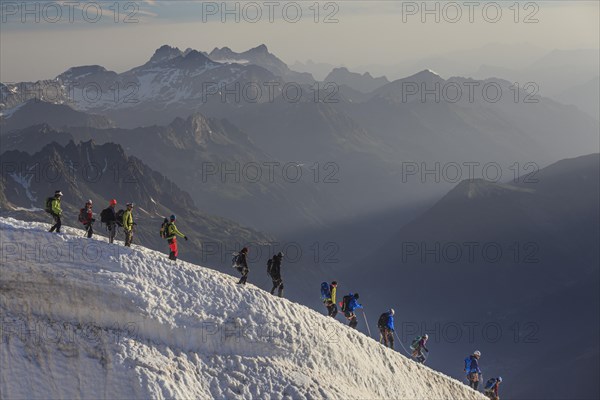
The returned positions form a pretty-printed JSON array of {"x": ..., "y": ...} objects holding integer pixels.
[{"x": 356, "y": 33}]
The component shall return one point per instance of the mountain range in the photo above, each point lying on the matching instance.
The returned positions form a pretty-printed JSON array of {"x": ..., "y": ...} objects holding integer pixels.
[
  {"x": 101, "y": 172},
  {"x": 217, "y": 163},
  {"x": 349, "y": 145}
]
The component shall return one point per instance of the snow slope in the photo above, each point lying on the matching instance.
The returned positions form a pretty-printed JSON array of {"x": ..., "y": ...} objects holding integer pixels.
[{"x": 85, "y": 319}]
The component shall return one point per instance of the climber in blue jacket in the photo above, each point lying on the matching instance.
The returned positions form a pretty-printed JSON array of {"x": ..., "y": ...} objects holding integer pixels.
[
  {"x": 472, "y": 369},
  {"x": 386, "y": 328},
  {"x": 349, "y": 304}
]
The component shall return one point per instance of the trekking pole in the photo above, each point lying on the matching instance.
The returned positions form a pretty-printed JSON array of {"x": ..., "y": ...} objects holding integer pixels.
[{"x": 367, "y": 322}]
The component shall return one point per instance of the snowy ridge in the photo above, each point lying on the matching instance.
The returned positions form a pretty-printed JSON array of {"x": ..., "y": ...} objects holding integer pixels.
[{"x": 85, "y": 319}]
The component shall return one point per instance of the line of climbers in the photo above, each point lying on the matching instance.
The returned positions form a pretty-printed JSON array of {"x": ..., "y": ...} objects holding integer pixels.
[
  {"x": 113, "y": 219},
  {"x": 348, "y": 305},
  {"x": 385, "y": 324},
  {"x": 474, "y": 376}
]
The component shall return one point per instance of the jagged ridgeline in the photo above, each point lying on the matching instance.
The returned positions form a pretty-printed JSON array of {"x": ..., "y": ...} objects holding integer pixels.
[
  {"x": 103, "y": 172},
  {"x": 213, "y": 160}
]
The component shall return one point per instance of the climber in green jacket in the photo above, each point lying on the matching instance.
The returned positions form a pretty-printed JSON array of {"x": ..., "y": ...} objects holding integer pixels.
[
  {"x": 172, "y": 233},
  {"x": 53, "y": 208},
  {"x": 128, "y": 224}
]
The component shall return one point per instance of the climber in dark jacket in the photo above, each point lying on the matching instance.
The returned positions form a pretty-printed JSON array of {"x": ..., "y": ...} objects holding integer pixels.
[
  {"x": 275, "y": 273},
  {"x": 241, "y": 265}
]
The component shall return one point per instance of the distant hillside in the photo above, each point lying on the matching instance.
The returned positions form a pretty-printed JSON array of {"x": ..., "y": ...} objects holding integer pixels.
[
  {"x": 100, "y": 173},
  {"x": 59, "y": 116},
  {"x": 364, "y": 83},
  {"x": 522, "y": 253}
]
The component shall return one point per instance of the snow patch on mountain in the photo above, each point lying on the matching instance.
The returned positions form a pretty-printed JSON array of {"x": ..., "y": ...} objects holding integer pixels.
[
  {"x": 25, "y": 181},
  {"x": 9, "y": 112}
]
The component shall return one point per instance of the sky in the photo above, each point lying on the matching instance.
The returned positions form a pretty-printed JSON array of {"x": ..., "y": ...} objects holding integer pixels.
[{"x": 40, "y": 39}]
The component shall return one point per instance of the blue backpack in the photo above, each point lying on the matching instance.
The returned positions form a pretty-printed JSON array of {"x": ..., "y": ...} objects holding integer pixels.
[
  {"x": 490, "y": 383},
  {"x": 325, "y": 292},
  {"x": 468, "y": 364}
]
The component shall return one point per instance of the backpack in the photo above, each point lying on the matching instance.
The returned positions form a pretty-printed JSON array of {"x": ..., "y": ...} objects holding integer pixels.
[
  {"x": 235, "y": 261},
  {"x": 105, "y": 215},
  {"x": 119, "y": 216},
  {"x": 164, "y": 229},
  {"x": 415, "y": 343},
  {"x": 270, "y": 267},
  {"x": 468, "y": 364},
  {"x": 490, "y": 384},
  {"x": 383, "y": 320},
  {"x": 48, "y": 207},
  {"x": 325, "y": 291},
  {"x": 346, "y": 302},
  {"x": 82, "y": 216}
]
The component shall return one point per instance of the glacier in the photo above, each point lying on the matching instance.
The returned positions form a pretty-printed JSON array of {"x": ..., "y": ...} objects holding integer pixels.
[{"x": 83, "y": 318}]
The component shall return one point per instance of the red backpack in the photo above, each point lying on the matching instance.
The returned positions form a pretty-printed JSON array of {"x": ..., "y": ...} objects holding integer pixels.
[{"x": 83, "y": 216}]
